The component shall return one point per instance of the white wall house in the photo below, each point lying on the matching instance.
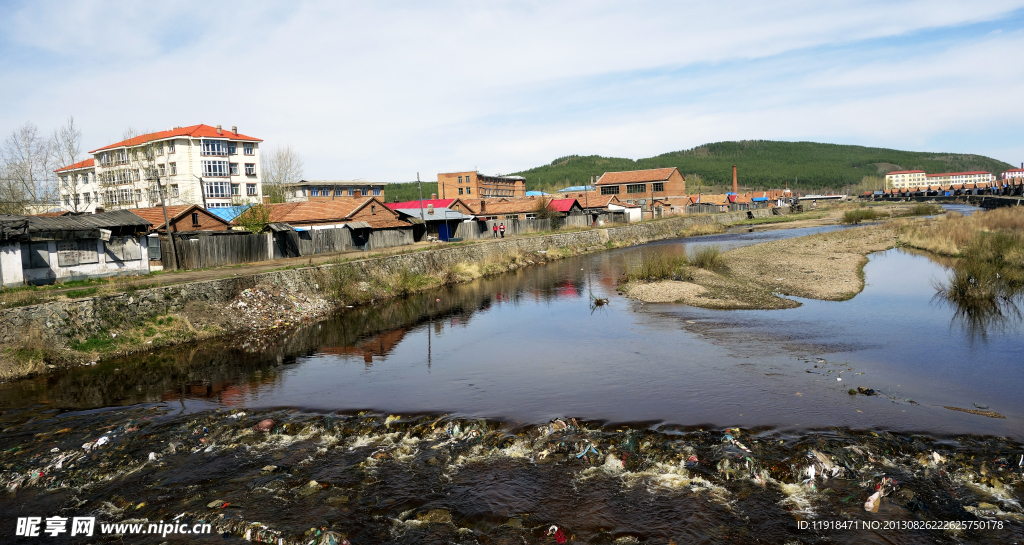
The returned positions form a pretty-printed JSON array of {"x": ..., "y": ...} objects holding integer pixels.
[{"x": 201, "y": 164}]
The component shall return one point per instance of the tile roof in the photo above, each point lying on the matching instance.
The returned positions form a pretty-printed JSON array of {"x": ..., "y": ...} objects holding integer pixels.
[
  {"x": 675, "y": 201},
  {"x": 90, "y": 162},
  {"x": 195, "y": 131},
  {"x": 636, "y": 176},
  {"x": 155, "y": 214},
  {"x": 338, "y": 210},
  {"x": 906, "y": 172}
]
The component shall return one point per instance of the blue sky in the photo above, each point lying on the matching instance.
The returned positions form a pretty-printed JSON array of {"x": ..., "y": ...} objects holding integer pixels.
[{"x": 383, "y": 90}]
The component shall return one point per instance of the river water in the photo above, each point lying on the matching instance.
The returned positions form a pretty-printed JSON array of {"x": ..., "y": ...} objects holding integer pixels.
[{"x": 530, "y": 346}]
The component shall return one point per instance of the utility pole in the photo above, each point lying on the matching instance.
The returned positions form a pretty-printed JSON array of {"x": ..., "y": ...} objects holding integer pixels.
[
  {"x": 586, "y": 196},
  {"x": 167, "y": 224},
  {"x": 420, "y": 186},
  {"x": 202, "y": 190}
]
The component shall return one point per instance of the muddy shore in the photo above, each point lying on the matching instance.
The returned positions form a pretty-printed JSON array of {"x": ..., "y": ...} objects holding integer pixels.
[{"x": 826, "y": 266}]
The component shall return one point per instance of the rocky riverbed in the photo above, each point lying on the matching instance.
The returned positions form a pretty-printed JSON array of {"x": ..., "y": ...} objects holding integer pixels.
[{"x": 292, "y": 477}]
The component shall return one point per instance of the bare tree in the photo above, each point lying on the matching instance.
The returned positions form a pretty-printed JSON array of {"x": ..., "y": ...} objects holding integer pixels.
[
  {"x": 66, "y": 143},
  {"x": 279, "y": 166},
  {"x": 27, "y": 160}
]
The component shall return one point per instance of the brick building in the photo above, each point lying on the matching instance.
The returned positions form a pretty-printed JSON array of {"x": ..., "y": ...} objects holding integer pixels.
[
  {"x": 475, "y": 185},
  {"x": 189, "y": 217},
  {"x": 635, "y": 185}
]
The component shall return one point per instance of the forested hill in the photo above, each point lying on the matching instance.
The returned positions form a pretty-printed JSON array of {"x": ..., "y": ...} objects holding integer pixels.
[{"x": 764, "y": 164}]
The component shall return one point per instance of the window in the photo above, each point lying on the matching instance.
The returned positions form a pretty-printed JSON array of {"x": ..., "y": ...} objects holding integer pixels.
[
  {"x": 460, "y": 179},
  {"x": 138, "y": 195},
  {"x": 636, "y": 188},
  {"x": 468, "y": 191},
  {"x": 87, "y": 197},
  {"x": 215, "y": 168},
  {"x": 376, "y": 192},
  {"x": 249, "y": 148},
  {"x": 67, "y": 200},
  {"x": 170, "y": 147},
  {"x": 85, "y": 178},
  {"x": 218, "y": 190},
  {"x": 215, "y": 147},
  {"x": 160, "y": 149},
  {"x": 351, "y": 192},
  {"x": 610, "y": 190},
  {"x": 78, "y": 199},
  {"x": 373, "y": 209},
  {"x": 339, "y": 192},
  {"x": 659, "y": 186},
  {"x": 174, "y": 190},
  {"x": 232, "y": 148},
  {"x": 195, "y": 219},
  {"x": 314, "y": 192},
  {"x": 250, "y": 169},
  {"x": 234, "y": 169},
  {"x": 250, "y": 189},
  {"x": 460, "y": 191},
  {"x": 173, "y": 168},
  {"x": 235, "y": 189}
]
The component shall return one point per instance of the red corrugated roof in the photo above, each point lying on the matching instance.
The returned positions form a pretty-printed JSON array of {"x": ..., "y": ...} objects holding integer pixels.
[
  {"x": 959, "y": 173},
  {"x": 90, "y": 162},
  {"x": 438, "y": 203},
  {"x": 195, "y": 131},
  {"x": 906, "y": 172},
  {"x": 561, "y": 205},
  {"x": 636, "y": 176}
]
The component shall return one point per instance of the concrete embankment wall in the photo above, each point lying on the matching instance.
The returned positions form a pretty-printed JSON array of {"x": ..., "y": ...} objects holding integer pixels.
[{"x": 90, "y": 315}]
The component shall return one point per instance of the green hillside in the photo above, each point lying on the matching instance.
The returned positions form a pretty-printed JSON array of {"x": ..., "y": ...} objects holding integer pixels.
[{"x": 765, "y": 164}]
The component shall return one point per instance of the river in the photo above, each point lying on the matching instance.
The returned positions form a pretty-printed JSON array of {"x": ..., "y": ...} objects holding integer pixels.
[{"x": 528, "y": 347}]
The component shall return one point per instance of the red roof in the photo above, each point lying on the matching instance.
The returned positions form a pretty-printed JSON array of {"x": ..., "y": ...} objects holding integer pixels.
[
  {"x": 438, "y": 203},
  {"x": 959, "y": 173},
  {"x": 636, "y": 176},
  {"x": 561, "y": 205},
  {"x": 195, "y": 131},
  {"x": 90, "y": 162},
  {"x": 1014, "y": 170},
  {"x": 907, "y": 172}
]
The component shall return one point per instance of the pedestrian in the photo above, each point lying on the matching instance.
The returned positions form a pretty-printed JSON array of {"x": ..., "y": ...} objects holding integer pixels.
[
  {"x": 495, "y": 234},
  {"x": 502, "y": 230}
]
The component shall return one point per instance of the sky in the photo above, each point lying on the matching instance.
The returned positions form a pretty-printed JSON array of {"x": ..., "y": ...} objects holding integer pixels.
[{"x": 382, "y": 91}]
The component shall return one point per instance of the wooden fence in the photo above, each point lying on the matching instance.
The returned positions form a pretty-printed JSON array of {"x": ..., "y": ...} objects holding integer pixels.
[
  {"x": 389, "y": 238},
  {"x": 202, "y": 251}
]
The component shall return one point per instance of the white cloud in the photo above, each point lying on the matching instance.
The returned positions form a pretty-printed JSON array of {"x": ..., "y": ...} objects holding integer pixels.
[{"x": 382, "y": 90}]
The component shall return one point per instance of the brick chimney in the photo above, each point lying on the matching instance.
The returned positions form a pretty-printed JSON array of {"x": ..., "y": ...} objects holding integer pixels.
[
  {"x": 483, "y": 205},
  {"x": 234, "y": 129},
  {"x": 220, "y": 130},
  {"x": 734, "y": 179}
]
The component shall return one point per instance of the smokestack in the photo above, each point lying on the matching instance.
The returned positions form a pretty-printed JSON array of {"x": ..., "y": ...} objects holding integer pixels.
[
  {"x": 220, "y": 130},
  {"x": 734, "y": 179},
  {"x": 234, "y": 129}
]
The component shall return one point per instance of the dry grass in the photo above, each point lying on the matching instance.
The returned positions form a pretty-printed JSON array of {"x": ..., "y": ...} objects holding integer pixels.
[{"x": 953, "y": 233}]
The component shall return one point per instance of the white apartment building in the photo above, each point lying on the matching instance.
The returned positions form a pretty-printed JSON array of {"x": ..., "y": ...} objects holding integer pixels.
[
  {"x": 203, "y": 165},
  {"x": 905, "y": 178},
  {"x": 957, "y": 178},
  {"x": 1014, "y": 173},
  {"x": 79, "y": 191}
]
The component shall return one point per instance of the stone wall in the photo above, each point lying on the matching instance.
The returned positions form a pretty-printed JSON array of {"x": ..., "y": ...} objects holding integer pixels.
[{"x": 89, "y": 315}]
